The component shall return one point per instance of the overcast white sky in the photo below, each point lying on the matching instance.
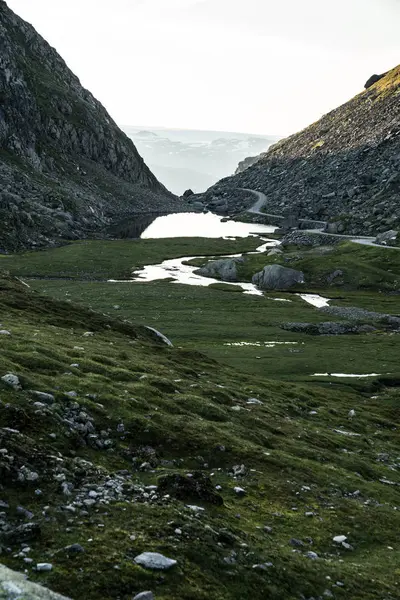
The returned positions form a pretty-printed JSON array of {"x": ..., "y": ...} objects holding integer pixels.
[{"x": 260, "y": 66}]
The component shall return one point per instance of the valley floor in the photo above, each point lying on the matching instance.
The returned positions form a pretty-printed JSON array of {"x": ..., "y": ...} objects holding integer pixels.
[{"x": 135, "y": 435}]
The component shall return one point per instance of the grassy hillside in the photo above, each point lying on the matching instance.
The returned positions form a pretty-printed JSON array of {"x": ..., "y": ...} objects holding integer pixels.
[
  {"x": 310, "y": 473},
  {"x": 215, "y": 320}
]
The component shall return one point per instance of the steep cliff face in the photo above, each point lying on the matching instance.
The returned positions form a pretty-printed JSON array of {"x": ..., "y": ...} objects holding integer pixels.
[
  {"x": 65, "y": 166},
  {"x": 345, "y": 168}
]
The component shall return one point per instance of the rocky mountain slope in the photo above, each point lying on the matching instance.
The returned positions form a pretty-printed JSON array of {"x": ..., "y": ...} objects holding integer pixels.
[
  {"x": 345, "y": 168},
  {"x": 66, "y": 168}
]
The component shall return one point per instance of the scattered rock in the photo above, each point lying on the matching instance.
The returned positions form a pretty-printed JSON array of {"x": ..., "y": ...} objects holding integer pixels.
[
  {"x": 11, "y": 380},
  {"x": 44, "y": 567},
  {"x": 254, "y": 401},
  {"x": 339, "y": 539},
  {"x": 154, "y": 560},
  {"x": 274, "y": 252},
  {"x": 198, "y": 486},
  {"x": 267, "y": 529},
  {"x": 194, "y": 508},
  {"x": 161, "y": 336},
  {"x": 239, "y": 470},
  {"x": 43, "y": 396},
  {"x": 74, "y": 549}
]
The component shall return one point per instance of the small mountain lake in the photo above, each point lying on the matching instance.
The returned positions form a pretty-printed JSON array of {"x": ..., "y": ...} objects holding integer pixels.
[{"x": 206, "y": 225}]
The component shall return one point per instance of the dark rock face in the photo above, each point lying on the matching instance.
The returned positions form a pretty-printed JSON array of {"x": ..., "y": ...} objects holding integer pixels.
[
  {"x": 343, "y": 169},
  {"x": 65, "y": 166},
  {"x": 373, "y": 79}
]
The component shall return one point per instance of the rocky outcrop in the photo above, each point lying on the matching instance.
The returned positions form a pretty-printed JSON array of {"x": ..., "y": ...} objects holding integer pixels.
[
  {"x": 276, "y": 277},
  {"x": 224, "y": 269},
  {"x": 328, "y": 328},
  {"x": 14, "y": 585},
  {"x": 302, "y": 238},
  {"x": 65, "y": 166},
  {"x": 387, "y": 238},
  {"x": 246, "y": 163},
  {"x": 345, "y": 168}
]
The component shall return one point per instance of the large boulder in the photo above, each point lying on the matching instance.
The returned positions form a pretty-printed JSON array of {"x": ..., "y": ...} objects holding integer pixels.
[
  {"x": 276, "y": 277},
  {"x": 14, "y": 585},
  {"x": 224, "y": 269},
  {"x": 373, "y": 79}
]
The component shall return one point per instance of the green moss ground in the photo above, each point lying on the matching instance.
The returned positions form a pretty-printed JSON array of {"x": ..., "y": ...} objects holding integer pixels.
[
  {"x": 184, "y": 406},
  {"x": 100, "y": 259},
  {"x": 193, "y": 412},
  {"x": 205, "y": 319}
]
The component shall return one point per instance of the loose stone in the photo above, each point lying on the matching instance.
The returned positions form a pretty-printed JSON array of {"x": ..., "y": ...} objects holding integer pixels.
[
  {"x": 154, "y": 560},
  {"x": 44, "y": 567}
]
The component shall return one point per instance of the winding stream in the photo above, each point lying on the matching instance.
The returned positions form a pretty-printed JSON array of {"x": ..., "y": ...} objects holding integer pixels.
[{"x": 211, "y": 226}]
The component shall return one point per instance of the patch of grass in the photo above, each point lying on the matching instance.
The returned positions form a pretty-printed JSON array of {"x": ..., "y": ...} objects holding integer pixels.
[
  {"x": 385, "y": 85},
  {"x": 208, "y": 318},
  {"x": 116, "y": 259},
  {"x": 225, "y": 287}
]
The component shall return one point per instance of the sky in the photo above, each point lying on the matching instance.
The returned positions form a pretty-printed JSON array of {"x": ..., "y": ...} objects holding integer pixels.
[{"x": 256, "y": 66}]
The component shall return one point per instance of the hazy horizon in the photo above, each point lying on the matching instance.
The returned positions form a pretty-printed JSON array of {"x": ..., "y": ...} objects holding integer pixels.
[
  {"x": 194, "y": 158},
  {"x": 262, "y": 68},
  {"x": 156, "y": 127}
]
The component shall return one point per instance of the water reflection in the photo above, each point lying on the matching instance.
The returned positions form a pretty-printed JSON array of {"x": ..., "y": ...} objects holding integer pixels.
[{"x": 201, "y": 225}]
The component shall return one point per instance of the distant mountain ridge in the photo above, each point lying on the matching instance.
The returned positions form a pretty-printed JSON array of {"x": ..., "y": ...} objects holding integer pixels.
[
  {"x": 345, "y": 168},
  {"x": 65, "y": 166},
  {"x": 194, "y": 159}
]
